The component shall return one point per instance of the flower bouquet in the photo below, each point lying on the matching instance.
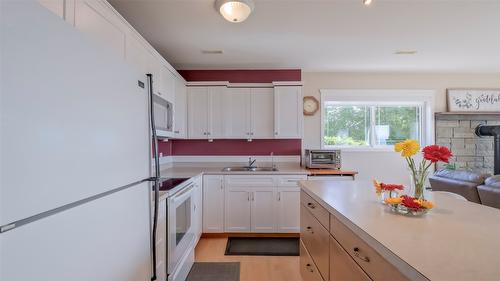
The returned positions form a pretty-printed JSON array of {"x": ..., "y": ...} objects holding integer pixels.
[{"x": 416, "y": 204}]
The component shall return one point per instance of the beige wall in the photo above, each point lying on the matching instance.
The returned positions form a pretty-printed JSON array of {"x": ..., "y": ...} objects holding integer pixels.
[{"x": 384, "y": 165}]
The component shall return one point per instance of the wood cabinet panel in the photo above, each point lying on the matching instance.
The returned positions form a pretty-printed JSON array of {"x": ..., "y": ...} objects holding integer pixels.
[
  {"x": 342, "y": 267},
  {"x": 320, "y": 213},
  {"x": 315, "y": 237},
  {"x": 308, "y": 270}
]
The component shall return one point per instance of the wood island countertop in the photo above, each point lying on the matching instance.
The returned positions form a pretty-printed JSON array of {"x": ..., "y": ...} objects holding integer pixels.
[{"x": 457, "y": 240}]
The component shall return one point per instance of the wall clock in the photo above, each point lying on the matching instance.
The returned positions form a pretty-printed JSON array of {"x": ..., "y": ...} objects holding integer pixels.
[{"x": 311, "y": 105}]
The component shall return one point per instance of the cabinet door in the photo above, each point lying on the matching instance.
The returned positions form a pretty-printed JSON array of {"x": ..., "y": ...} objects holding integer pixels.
[
  {"x": 55, "y": 6},
  {"x": 167, "y": 84},
  {"x": 288, "y": 112},
  {"x": 262, "y": 113},
  {"x": 237, "y": 111},
  {"x": 137, "y": 54},
  {"x": 342, "y": 267},
  {"x": 94, "y": 18},
  {"x": 213, "y": 204},
  {"x": 237, "y": 210},
  {"x": 197, "y": 208},
  {"x": 263, "y": 201},
  {"x": 198, "y": 98},
  {"x": 180, "y": 109},
  {"x": 288, "y": 209},
  {"x": 216, "y": 117}
]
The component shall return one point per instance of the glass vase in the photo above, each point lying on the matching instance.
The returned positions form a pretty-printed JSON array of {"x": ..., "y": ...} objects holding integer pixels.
[
  {"x": 388, "y": 194},
  {"x": 418, "y": 178}
]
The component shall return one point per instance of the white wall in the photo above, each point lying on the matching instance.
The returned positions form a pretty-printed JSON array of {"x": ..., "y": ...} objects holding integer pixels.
[{"x": 386, "y": 166}]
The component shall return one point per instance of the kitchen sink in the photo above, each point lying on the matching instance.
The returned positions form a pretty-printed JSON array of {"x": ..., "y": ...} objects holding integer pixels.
[{"x": 249, "y": 169}]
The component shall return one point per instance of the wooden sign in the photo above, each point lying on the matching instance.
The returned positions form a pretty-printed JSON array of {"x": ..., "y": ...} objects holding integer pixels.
[{"x": 473, "y": 100}]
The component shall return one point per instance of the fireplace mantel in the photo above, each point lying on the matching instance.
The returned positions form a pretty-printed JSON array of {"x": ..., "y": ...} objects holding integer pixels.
[{"x": 474, "y": 116}]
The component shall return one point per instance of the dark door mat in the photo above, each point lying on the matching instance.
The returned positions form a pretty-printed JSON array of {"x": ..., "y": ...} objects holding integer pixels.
[
  {"x": 252, "y": 246},
  {"x": 214, "y": 271}
]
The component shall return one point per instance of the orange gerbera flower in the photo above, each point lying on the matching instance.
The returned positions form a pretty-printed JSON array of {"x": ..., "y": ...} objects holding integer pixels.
[
  {"x": 393, "y": 201},
  {"x": 425, "y": 204},
  {"x": 378, "y": 187}
]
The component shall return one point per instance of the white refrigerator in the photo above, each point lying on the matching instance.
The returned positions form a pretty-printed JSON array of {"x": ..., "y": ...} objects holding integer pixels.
[{"x": 75, "y": 155}]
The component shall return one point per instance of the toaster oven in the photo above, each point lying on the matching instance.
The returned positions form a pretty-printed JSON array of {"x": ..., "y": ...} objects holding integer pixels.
[{"x": 323, "y": 159}]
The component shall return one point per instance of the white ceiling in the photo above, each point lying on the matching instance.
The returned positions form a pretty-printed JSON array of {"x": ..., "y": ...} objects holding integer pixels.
[{"x": 325, "y": 35}]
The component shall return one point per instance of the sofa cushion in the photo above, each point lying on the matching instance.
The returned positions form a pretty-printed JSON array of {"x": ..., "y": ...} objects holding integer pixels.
[
  {"x": 489, "y": 195},
  {"x": 461, "y": 175},
  {"x": 493, "y": 181}
]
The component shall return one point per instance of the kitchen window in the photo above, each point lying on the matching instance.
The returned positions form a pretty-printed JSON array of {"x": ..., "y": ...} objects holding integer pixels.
[{"x": 362, "y": 124}]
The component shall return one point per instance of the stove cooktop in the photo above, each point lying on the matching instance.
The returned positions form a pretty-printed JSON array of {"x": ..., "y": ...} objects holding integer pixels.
[{"x": 170, "y": 183}]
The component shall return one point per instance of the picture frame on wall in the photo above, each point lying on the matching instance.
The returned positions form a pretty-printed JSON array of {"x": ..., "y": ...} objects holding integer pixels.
[{"x": 473, "y": 100}]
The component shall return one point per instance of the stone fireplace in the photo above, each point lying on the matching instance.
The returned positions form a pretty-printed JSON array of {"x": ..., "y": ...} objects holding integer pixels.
[{"x": 470, "y": 152}]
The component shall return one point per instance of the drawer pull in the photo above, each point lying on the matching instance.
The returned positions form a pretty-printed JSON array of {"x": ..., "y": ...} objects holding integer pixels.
[
  {"x": 357, "y": 254},
  {"x": 309, "y": 267},
  {"x": 311, "y": 205},
  {"x": 310, "y": 229}
]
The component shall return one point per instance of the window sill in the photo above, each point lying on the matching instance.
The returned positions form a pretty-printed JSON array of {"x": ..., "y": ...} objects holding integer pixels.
[{"x": 361, "y": 149}]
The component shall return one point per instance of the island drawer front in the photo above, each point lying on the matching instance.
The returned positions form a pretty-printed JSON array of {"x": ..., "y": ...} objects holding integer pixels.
[
  {"x": 308, "y": 269},
  {"x": 371, "y": 262},
  {"x": 320, "y": 213},
  {"x": 316, "y": 239},
  {"x": 342, "y": 267}
]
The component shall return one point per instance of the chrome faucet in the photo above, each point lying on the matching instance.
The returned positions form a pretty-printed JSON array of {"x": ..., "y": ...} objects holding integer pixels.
[{"x": 251, "y": 162}]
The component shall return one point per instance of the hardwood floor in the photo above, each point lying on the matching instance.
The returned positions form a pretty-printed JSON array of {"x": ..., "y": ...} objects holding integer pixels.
[{"x": 252, "y": 268}]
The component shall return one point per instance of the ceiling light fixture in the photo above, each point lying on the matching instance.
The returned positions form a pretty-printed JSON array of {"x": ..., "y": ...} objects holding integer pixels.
[
  {"x": 235, "y": 10},
  {"x": 367, "y": 2}
]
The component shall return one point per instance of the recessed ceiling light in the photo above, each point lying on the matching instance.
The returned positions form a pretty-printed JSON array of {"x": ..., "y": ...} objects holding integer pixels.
[
  {"x": 212, "y": 52},
  {"x": 367, "y": 2},
  {"x": 405, "y": 52},
  {"x": 234, "y": 10}
]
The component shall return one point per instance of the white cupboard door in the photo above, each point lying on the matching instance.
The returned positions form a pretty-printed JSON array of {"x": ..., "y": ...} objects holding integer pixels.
[
  {"x": 263, "y": 209},
  {"x": 237, "y": 209},
  {"x": 216, "y": 111},
  {"x": 288, "y": 112},
  {"x": 180, "y": 109},
  {"x": 238, "y": 113},
  {"x": 198, "y": 98},
  {"x": 55, "y": 6},
  {"x": 288, "y": 209},
  {"x": 197, "y": 208},
  {"x": 167, "y": 86},
  {"x": 262, "y": 113},
  {"x": 92, "y": 17},
  {"x": 213, "y": 204}
]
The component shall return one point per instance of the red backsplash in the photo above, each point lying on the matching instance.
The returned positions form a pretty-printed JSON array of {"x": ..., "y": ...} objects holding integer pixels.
[
  {"x": 236, "y": 147},
  {"x": 243, "y": 76},
  {"x": 165, "y": 148}
]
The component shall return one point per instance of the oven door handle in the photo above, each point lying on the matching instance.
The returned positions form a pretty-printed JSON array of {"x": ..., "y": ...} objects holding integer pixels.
[{"x": 183, "y": 194}]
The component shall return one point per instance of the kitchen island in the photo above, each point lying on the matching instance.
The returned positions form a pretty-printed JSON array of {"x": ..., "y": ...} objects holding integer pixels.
[{"x": 458, "y": 240}]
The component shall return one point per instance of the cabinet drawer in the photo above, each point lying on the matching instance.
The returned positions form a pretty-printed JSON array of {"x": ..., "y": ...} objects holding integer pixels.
[
  {"x": 249, "y": 181},
  {"x": 364, "y": 255},
  {"x": 290, "y": 181},
  {"x": 316, "y": 209},
  {"x": 316, "y": 240},
  {"x": 308, "y": 269},
  {"x": 342, "y": 267}
]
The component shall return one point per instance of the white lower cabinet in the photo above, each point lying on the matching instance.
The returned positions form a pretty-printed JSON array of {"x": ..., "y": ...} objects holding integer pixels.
[
  {"x": 238, "y": 209},
  {"x": 261, "y": 204},
  {"x": 213, "y": 203},
  {"x": 197, "y": 208}
]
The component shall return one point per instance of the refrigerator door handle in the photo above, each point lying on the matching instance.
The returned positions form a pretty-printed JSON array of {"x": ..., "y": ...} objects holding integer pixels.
[{"x": 156, "y": 176}]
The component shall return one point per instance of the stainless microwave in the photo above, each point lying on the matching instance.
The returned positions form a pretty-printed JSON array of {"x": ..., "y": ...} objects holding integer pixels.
[
  {"x": 164, "y": 116},
  {"x": 323, "y": 159}
]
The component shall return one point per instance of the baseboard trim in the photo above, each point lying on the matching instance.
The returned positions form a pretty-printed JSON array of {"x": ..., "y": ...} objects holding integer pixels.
[{"x": 240, "y": 234}]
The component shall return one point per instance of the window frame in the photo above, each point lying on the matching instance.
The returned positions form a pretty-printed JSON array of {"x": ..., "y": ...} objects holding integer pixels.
[{"x": 423, "y": 99}]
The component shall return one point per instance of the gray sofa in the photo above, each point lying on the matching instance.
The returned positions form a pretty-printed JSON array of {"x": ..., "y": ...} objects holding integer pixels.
[
  {"x": 464, "y": 183},
  {"x": 489, "y": 192}
]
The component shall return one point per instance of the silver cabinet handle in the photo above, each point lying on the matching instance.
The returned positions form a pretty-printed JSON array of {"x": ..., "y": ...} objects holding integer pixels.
[
  {"x": 248, "y": 196},
  {"x": 204, "y": 133},
  {"x": 311, "y": 205},
  {"x": 208, "y": 133},
  {"x": 253, "y": 196},
  {"x": 309, "y": 229},
  {"x": 276, "y": 133},
  {"x": 251, "y": 134},
  {"x": 176, "y": 132},
  {"x": 358, "y": 255},
  {"x": 279, "y": 196}
]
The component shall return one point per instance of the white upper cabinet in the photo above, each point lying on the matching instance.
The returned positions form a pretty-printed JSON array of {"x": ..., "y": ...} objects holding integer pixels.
[
  {"x": 238, "y": 113},
  {"x": 198, "y": 98},
  {"x": 262, "y": 113},
  {"x": 167, "y": 84},
  {"x": 95, "y": 18},
  {"x": 206, "y": 112},
  {"x": 288, "y": 112},
  {"x": 180, "y": 109}
]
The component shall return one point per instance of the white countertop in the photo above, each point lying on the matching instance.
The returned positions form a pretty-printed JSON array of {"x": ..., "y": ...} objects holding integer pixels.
[
  {"x": 188, "y": 170},
  {"x": 457, "y": 240}
]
